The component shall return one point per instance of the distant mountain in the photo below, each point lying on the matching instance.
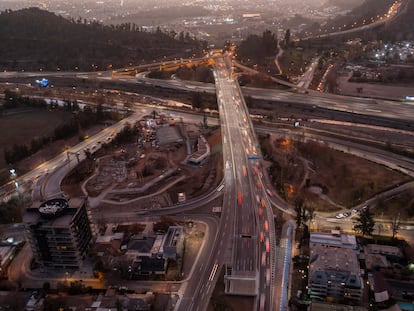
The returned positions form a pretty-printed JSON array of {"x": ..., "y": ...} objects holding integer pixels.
[
  {"x": 344, "y": 4},
  {"x": 33, "y": 38}
]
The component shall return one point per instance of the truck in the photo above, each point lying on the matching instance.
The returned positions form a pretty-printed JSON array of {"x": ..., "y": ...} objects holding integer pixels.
[{"x": 239, "y": 199}]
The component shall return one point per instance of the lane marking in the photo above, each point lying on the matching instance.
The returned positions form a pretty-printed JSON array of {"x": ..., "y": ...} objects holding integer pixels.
[{"x": 213, "y": 272}]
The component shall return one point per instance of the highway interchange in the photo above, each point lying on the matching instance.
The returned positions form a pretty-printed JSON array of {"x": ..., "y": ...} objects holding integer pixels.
[{"x": 237, "y": 240}]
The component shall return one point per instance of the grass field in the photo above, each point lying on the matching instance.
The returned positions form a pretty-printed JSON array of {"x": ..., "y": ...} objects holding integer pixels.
[
  {"x": 21, "y": 126},
  {"x": 344, "y": 180}
]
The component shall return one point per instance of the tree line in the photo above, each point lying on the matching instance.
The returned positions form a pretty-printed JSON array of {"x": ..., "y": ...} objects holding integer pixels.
[
  {"x": 257, "y": 48},
  {"x": 37, "y": 39}
]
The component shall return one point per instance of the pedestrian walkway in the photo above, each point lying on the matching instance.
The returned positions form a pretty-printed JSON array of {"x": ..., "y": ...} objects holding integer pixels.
[{"x": 283, "y": 259}]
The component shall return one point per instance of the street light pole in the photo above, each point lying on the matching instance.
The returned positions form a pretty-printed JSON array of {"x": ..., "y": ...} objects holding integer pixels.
[{"x": 13, "y": 175}]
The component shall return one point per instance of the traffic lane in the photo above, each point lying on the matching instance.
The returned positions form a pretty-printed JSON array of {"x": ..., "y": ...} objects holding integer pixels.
[{"x": 201, "y": 267}]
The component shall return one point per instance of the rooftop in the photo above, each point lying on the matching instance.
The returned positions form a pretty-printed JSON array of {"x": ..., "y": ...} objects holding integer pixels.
[
  {"x": 49, "y": 219},
  {"x": 141, "y": 245},
  {"x": 383, "y": 249},
  {"x": 324, "y": 258},
  {"x": 342, "y": 240}
]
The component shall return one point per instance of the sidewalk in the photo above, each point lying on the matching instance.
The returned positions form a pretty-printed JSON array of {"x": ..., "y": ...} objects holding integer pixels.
[{"x": 283, "y": 266}]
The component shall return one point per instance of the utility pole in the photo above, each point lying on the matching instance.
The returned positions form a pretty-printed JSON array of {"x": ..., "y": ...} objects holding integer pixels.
[{"x": 205, "y": 120}]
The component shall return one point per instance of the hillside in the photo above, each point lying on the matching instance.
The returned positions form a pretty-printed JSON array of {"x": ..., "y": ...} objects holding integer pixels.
[
  {"x": 39, "y": 39},
  {"x": 402, "y": 27},
  {"x": 344, "y": 4},
  {"x": 365, "y": 13}
]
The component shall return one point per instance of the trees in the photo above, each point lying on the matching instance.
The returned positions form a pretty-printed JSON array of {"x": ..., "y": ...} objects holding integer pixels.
[
  {"x": 395, "y": 225},
  {"x": 304, "y": 214},
  {"x": 196, "y": 101},
  {"x": 287, "y": 37},
  {"x": 112, "y": 44},
  {"x": 365, "y": 222},
  {"x": 257, "y": 48}
]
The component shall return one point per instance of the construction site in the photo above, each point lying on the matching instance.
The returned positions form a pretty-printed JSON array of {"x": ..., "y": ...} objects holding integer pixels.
[{"x": 162, "y": 163}]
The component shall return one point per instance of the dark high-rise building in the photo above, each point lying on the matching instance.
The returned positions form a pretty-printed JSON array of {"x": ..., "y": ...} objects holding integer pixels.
[{"x": 59, "y": 232}]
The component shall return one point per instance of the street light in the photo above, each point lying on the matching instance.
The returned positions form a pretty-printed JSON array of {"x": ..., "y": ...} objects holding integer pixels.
[{"x": 13, "y": 175}]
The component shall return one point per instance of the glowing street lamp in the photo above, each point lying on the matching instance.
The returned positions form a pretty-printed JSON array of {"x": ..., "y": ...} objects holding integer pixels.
[{"x": 13, "y": 175}]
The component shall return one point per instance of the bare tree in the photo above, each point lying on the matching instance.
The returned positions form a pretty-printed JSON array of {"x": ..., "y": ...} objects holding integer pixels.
[{"x": 395, "y": 225}]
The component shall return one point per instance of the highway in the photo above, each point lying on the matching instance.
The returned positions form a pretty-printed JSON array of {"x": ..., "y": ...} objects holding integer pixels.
[
  {"x": 238, "y": 239},
  {"x": 197, "y": 297},
  {"x": 238, "y": 243},
  {"x": 254, "y": 240},
  {"x": 373, "y": 107}
]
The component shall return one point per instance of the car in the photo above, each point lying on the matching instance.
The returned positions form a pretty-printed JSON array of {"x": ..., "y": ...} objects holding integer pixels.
[
  {"x": 347, "y": 214},
  {"x": 266, "y": 226},
  {"x": 340, "y": 216},
  {"x": 263, "y": 259},
  {"x": 355, "y": 211},
  {"x": 268, "y": 277},
  {"x": 261, "y": 237}
]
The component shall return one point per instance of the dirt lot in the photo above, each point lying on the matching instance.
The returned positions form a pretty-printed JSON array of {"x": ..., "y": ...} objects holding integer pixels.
[
  {"x": 21, "y": 126},
  {"x": 327, "y": 179},
  {"x": 374, "y": 89}
]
